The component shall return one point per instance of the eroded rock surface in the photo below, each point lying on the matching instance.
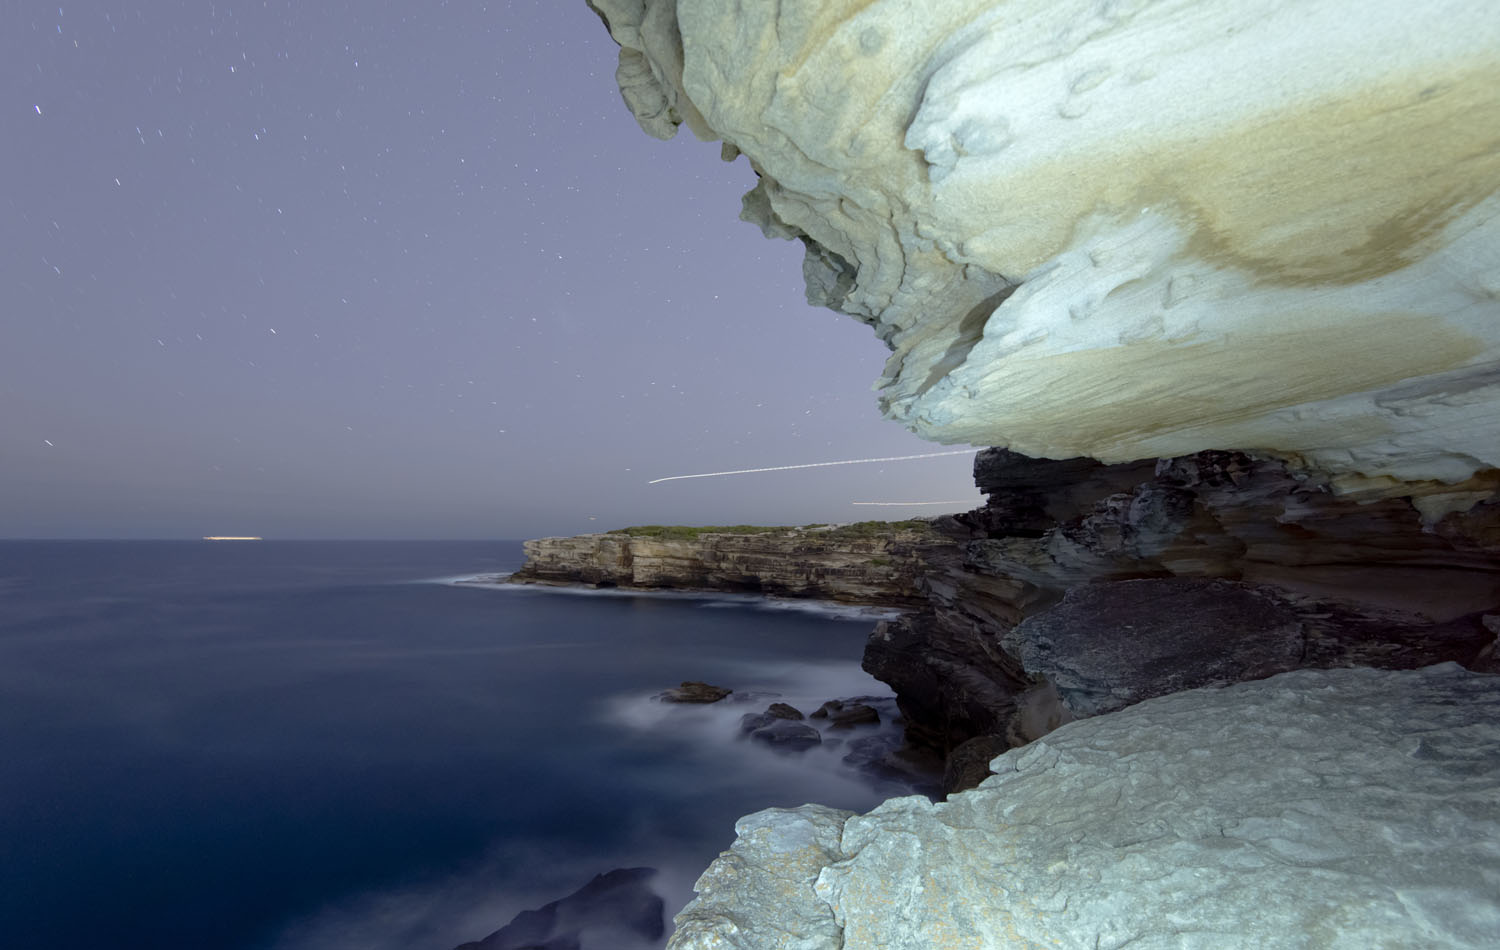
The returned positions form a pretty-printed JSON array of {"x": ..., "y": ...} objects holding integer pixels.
[
  {"x": 1274, "y": 814},
  {"x": 859, "y": 564},
  {"x": 1083, "y": 587},
  {"x": 1127, "y": 230}
]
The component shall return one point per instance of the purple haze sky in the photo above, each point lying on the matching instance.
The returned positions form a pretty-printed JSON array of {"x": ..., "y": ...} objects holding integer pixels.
[{"x": 395, "y": 270}]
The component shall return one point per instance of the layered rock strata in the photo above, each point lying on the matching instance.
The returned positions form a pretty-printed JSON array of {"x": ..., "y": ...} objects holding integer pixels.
[
  {"x": 868, "y": 563},
  {"x": 1275, "y": 814},
  {"x": 1127, "y": 230},
  {"x": 1082, "y": 588}
]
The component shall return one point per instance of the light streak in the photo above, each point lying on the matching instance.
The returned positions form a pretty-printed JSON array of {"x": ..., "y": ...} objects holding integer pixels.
[{"x": 787, "y": 468}]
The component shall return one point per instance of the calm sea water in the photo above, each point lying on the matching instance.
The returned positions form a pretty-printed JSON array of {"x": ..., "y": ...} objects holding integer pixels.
[{"x": 288, "y": 746}]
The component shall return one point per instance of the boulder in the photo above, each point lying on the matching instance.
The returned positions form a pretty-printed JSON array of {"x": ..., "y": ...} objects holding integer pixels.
[
  {"x": 692, "y": 691},
  {"x": 847, "y": 713},
  {"x": 1345, "y": 808},
  {"x": 969, "y": 763},
  {"x": 1109, "y": 645},
  {"x": 853, "y": 714},
  {"x": 786, "y": 735},
  {"x": 776, "y": 712}
]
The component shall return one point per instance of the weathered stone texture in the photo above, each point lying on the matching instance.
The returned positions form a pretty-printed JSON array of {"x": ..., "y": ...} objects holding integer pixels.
[
  {"x": 1083, "y": 587},
  {"x": 795, "y": 562},
  {"x": 1127, "y": 230},
  {"x": 1337, "y": 810}
]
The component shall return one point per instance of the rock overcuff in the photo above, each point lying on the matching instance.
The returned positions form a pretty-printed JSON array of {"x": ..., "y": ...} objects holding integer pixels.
[
  {"x": 1275, "y": 814},
  {"x": 1127, "y": 230}
]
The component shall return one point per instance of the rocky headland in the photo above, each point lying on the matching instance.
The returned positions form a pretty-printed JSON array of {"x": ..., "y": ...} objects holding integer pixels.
[
  {"x": 1217, "y": 282},
  {"x": 870, "y": 562},
  {"x": 1081, "y": 588}
]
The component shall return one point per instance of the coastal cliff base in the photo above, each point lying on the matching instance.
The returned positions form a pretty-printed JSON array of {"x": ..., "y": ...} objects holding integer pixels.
[
  {"x": 1277, "y": 814},
  {"x": 1081, "y": 588},
  {"x": 869, "y": 562}
]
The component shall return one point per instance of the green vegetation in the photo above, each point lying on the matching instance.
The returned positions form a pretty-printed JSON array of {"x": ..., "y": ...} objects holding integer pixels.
[
  {"x": 678, "y": 532},
  {"x": 859, "y": 529}
]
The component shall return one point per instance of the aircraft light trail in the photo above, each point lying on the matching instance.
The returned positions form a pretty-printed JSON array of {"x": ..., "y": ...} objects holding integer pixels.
[{"x": 787, "y": 468}]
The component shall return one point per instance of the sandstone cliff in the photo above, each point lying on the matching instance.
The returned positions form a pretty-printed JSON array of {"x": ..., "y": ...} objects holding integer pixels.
[
  {"x": 1127, "y": 229},
  {"x": 1225, "y": 273},
  {"x": 864, "y": 563},
  {"x": 1081, "y": 588}
]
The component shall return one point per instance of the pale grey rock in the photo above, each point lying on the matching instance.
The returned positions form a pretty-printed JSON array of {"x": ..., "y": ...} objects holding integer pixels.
[
  {"x": 1332, "y": 809},
  {"x": 1128, "y": 229},
  {"x": 755, "y": 894}
]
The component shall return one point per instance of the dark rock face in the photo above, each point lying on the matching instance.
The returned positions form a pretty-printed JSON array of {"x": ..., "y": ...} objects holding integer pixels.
[
  {"x": 969, "y": 764},
  {"x": 1082, "y": 588},
  {"x": 1107, "y": 646},
  {"x": 614, "y": 910},
  {"x": 692, "y": 691}
]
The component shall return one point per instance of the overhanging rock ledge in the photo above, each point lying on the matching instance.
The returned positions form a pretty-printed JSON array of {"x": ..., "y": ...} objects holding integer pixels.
[{"x": 1128, "y": 230}]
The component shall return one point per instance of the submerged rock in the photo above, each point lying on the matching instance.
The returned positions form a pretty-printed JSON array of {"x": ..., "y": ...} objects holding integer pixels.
[
  {"x": 1106, "y": 646},
  {"x": 692, "y": 691},
  {"x": 615, "y": 910},
  {"x": 886, "y": 758},
  {"x": 776, "y": 712},
  {"x": 846, "y": 714},
  {"x": 784, "y": 734},
  {"x": 1274, "y": 814},
  {"x": 969, "y": 764}
]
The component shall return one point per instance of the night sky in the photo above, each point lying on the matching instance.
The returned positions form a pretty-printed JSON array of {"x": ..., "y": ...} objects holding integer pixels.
[{"x": 385, "y": 269}]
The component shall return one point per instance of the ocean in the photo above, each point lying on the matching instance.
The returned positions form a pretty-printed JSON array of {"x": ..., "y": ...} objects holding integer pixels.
[{"x": 330, "y": 745}]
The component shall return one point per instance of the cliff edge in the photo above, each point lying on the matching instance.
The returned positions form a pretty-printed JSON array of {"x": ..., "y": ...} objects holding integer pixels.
[
  {"x": 1127, "y": 229},
  {"x": 869, "y": 562}
]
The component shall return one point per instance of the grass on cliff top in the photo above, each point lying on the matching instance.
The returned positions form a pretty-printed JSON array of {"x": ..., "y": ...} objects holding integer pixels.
[{"x": 858, "y": 529}]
